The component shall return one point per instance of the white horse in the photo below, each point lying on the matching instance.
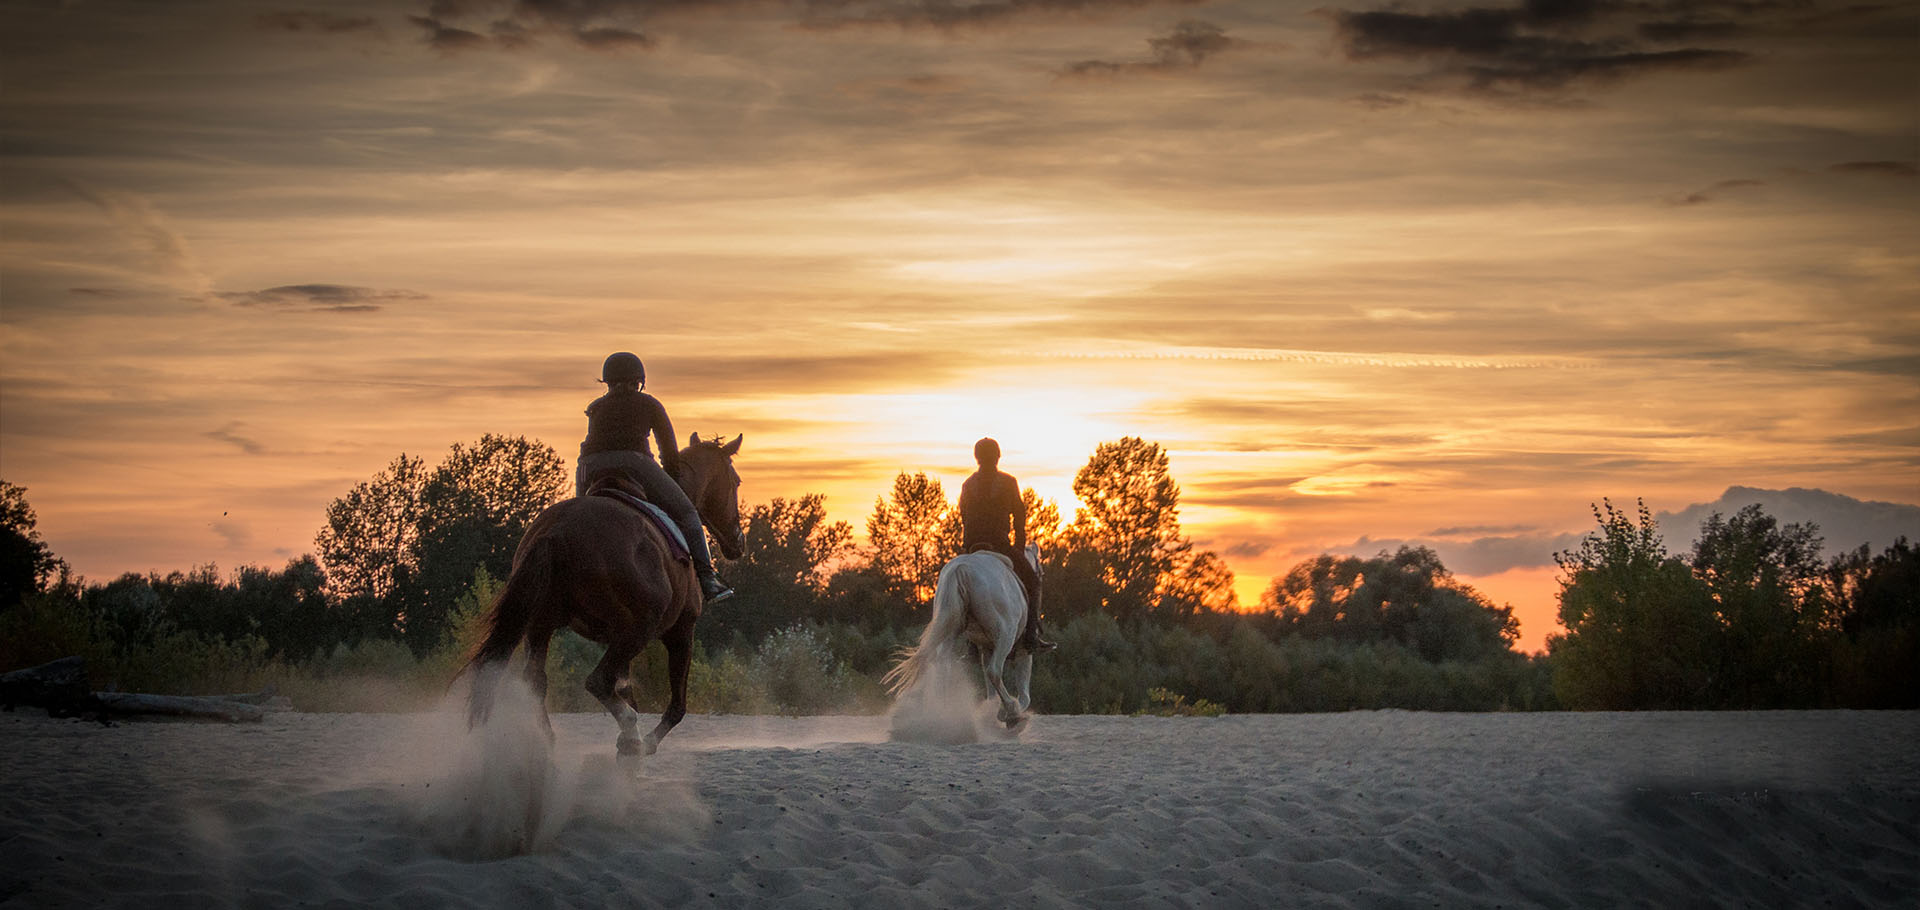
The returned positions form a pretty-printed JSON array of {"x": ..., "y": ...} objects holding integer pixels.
[{"x": 980, "y": 598}]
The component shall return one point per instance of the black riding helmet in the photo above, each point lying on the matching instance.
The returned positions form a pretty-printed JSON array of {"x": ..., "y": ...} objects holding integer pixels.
[{"x": 623, "y": 367}]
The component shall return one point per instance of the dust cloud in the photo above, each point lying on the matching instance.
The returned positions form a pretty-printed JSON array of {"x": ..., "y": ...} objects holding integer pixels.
[
  {"x": 944, "y": 707},
  {"x": 504, "y": 788}
]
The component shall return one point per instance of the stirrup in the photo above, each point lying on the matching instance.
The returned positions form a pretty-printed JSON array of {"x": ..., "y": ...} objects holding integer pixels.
[{"x": 713, "y": 590}]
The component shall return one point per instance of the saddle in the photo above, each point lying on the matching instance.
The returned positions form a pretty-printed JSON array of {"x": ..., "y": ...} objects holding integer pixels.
[
  {"x": 1011, "y": 554},
  {"x": 676, "y": 541}
]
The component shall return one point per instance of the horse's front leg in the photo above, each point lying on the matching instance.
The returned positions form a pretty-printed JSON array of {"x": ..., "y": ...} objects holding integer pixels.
[{"x": 679, "y": 642}]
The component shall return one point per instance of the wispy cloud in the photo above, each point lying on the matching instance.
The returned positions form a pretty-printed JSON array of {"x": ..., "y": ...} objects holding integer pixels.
[
  {"x": 1185, "y": 48},
  {"x": 310, "y": 21},
  {"x": 1876, "y": 168},
  {"x": 230, "y": 434},
  {"x": 1533, "y": 46},
  {"x": 146, "y": 226},
  {"x": 945, "y": 14},
  {"x": 1714, "y": 192},
  {"x": 336, "y": 298}
]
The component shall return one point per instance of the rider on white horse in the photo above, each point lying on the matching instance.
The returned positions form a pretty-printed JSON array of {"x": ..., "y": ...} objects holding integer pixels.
[{"x": 990, "y": 510}]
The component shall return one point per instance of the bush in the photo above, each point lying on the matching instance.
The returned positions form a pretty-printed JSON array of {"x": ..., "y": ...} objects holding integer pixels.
[
  {"x": 1163, "y": 703},
  {"x": 800, "y": 674}
]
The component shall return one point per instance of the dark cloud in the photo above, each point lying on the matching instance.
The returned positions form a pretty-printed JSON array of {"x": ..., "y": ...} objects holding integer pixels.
[
  {"x": 335, "y": 298},
  {"x": 1186, "y": 47},
  {"x": 306, "y": 21},
  {"x": 1479, "y": 530},
  {"x": 234, "y": 533},
  {"x": 1381, "y": 101},
  {"x": 945, "y": 14},
  {"x": 443, "y": 37},
  {"x": 1876, "y": 168},
  {"x": 1479, "y": 556},
  {"x": 1540, "y": 44},
  {"x": 609, "y": 26},
  {"x": 800, "y": 374},
  {"x": 1845, "y": 522},
  {"x": 231, "y": 434},
  {"x": 1689, "y": 30},
  {"x": 608, "y": 38},
  {"x": 1552, "y": 72},
  {"x": 1713, "y": 192},
  {"x": 1247, "y": 549}
]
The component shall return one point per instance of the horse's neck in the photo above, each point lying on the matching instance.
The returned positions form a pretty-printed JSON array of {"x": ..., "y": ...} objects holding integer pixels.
[{"x": 693, "y": 482}]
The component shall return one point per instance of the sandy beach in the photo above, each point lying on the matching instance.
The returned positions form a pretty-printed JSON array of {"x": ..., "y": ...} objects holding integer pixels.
[{"x": 1375, "y": 809}]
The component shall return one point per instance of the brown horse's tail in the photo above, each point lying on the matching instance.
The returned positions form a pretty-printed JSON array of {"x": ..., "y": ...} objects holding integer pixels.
[{"x": 527, "y": 588}]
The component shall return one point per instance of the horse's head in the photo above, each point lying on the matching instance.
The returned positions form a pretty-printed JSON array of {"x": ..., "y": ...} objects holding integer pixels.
[{"x": 708, "y": 477}]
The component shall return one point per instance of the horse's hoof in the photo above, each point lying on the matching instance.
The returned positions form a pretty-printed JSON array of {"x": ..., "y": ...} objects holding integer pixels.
[
  {"x": 632, "y": 747},
  {"x": 653, "y": 745},
  {"x": 1018, "y": 724}
]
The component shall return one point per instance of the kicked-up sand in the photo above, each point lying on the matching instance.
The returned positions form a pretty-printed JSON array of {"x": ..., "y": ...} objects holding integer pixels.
[{"x": 1371, "y": 809}]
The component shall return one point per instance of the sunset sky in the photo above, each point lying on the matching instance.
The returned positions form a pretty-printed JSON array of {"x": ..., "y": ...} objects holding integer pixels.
[{"x": 1434, "y": 273}]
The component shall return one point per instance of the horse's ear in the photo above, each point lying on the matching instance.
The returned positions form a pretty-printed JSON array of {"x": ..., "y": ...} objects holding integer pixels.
[
  {"x": 693, "y": 439},
  {"x": 733, "y": 448}
]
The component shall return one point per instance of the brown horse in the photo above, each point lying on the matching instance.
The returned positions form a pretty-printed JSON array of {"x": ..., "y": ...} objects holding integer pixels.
[{"x": 597, "y": 566}]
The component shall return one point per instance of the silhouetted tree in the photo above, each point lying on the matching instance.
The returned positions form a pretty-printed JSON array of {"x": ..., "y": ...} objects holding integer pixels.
[
  {"x": 913, "y": 532},
  {"x": 1043, "y": 522},
  {"x": 369, "y": 537},
  {"x": 790, "y": 546},
  {"x": 793, "y": 539},
  {"x": 1129, "y": 520},
  {"x": 1877, "y": 653},
  {"x": 409, "y": 540},
  {"x": 27, "y": 564},
  {"x": 289, "y": 609},
  {"x": 1640, "y": 625},
  {"x": 1765, "y": 581},
  {"x": 1201, "y": 584},
  {"x": 1407, "y": 598}
]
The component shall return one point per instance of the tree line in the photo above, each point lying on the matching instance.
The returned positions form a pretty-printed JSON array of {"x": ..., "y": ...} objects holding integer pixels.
[{"x": 407, "y": 560}]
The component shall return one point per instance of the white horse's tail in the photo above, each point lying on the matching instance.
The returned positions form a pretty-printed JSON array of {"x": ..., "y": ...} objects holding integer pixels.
[{"x": 949, "y": 617}]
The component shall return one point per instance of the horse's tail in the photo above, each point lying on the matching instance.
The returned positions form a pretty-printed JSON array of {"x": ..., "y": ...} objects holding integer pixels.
[
  {"x": 949, "y": 617},
  {"x": 527, "y": 588}
]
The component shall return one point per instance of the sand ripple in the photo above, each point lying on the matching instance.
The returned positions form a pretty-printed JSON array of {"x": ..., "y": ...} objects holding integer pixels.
[{"x": 1345, "y": 810}]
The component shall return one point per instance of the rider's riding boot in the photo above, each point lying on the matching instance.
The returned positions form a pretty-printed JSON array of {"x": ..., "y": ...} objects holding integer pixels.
[
  {"x": 712, "y": 589},
  {"x": 1031, "y": 637}
]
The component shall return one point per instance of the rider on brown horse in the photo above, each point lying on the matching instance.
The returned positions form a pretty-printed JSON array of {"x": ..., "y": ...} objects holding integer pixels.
[
  {"x": 618, "y": 424},
  {"x": 990, "y": 509}
]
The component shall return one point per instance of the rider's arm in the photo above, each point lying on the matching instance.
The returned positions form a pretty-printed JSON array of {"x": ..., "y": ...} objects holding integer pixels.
[
  {"x": 1019, "y": 512},
  {"x": 663, "y": 437}
]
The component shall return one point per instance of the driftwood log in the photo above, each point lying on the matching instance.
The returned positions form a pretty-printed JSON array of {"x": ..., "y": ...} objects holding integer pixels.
[
  {"x": 61, "y": 688},
  {"x": 190, "y": 707}
]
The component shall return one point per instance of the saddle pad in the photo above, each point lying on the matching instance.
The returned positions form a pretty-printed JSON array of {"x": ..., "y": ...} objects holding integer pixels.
[{"x": 675, "y": 540}]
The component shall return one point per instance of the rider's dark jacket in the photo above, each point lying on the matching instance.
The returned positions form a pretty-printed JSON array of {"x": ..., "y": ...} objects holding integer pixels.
[
  {"x": 991, "y": 511},
  {"x": 622, "y": 419}
]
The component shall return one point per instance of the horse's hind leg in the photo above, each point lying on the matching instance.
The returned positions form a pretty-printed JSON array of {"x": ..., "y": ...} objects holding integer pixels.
[
  {"x": 1023, "y": 680},
  {"x": 992, "y": 663},
  {"x": 536, "y": 672},
  {"x": 610, "y": 684},
  {"x": 679, "y": 642}
]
